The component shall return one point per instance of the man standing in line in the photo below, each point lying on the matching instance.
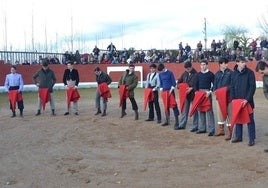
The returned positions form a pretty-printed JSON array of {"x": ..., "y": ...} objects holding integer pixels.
[
  {"x": 103, "y": 80},
  {"x": 262, "y": 68},
  {"x": 243, "y": 86},
  {"x": 223, "y": 80},
  {"x": 14, "y": 82},
  {"x": 128, "y": 82},
  {"x": 204, "y": 82},
  {"x": 71, "y": 81},
  {"x": 153, "y": 82},
  {"x": 188, "y": 77},
  {"x": 45, "y": 80},
  {"x": 167, "y": 86}
]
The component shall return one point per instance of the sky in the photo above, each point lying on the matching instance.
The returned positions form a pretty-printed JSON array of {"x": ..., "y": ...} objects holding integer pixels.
[{"x": 52, "y": 25}]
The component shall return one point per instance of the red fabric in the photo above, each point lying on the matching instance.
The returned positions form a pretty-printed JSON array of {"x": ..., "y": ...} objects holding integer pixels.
[
  {"x": 44, "y": 96},
  {"x": 182, "y": 94},
  {"x": 169, "y": 100},
  {"x": 104, "y": 91},
  {"x": 148, "y": 96},
  {"x": 240, "y": 114},
  {"x": 221, "y": 95},
  {"x": 72, "y": 95},
  {"x": 200, "y": 103},
  {"x": 123, "y": 94},
  {"x": 13, "y": 98}
]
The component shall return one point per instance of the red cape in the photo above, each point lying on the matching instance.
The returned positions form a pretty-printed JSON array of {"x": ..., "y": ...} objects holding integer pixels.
[
  {"x": 123, "y": 94},
  {"x": 148, "y": 96},
  {"x": 104, "y": 91},
  {"x": 14, "y": 96},
  {"x": 200, "y": 103},
  {"x": 44, "y": 96},
  {"x": 72, "y": 95},
  {"x": 169, "y": 100},
  {"x": 182, "y": 94},
  {"x": 221, "y": 95},
  {"x": 240, "y": 115}
]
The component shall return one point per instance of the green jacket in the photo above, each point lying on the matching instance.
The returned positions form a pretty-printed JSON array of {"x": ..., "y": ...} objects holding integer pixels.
[
  {"x": 46, "y": 79},
  {"x": 265, "y": 86},
  {"x": 131, "y": 80}
]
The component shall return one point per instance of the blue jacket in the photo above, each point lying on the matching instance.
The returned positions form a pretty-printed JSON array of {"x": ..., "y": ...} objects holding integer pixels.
[
  {"x": 243, "y": 85},
  {"x": 222, "y": 78}
]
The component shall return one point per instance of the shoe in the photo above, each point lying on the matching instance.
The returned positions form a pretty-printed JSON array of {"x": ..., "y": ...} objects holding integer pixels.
[
  {"x": 158, "y": 121},
  {"x": 194, "y": 130},
  {"x": 103, "y": 114},
  {"x": 14, "y": 115},
  {"x": 236, "y": 140},
  {"x": 251, "y": 143},
  {"x": 149, "y": 119},
  {"x": 66, "y": 113},
  {"x": 200, "y": 132},
  {"x": 210, "y": 134},
  {"x": 180, "y": 128},
  {"x": 265, "y": 150},
  {"x": 164, "y": 124},
  {"x": 76, "y": 113},
  {"x": 38, "y": 113},
  {"x": 98, "y": 112}
]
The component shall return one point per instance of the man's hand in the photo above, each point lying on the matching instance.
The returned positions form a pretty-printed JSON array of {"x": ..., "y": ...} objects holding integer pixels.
[{"x": 244, "y": 103}]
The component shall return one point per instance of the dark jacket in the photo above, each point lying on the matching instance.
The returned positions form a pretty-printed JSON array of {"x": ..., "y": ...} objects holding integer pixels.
[
  {"x": 47, "y": 78},
  {"x": 243, "y": 85},
  {"x": 222, "y": 78},
  {"x": 103, "y": 77},
  {"x": 68, "y": 75},
  {"x": 265, "y": 86},
  {"x": 189, "y": 79}
]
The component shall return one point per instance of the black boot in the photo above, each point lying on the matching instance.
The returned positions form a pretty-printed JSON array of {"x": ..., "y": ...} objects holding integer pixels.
[
  {"x": 13, "y": 114},
  {"x": 38, "y": 113},
  {"x": 166, "y": 123},
  {"x": 123, "y": 113},
  {"x": 136, "y": 114},
  {"x": 104, "y": 113},
  {"x": 53, "y": 112},
  {"x": 98, "y": 112},
  {"x": 21, "y": 112},
  {"x": 177, "y": 125}
]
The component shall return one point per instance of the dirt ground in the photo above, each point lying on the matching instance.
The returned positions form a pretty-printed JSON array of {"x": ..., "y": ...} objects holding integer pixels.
[{"x": 92, "y": 151}]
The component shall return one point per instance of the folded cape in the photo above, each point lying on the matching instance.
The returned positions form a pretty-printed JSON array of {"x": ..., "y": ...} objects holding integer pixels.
[
  {"x": 182, "y": 94},
  {"x": 169, "y": 100},
  {"x": 72, "y": 95},
  {"x": 14, "y": 96},
  {"x": 148, "y": 96},
  {"x": 222, "y": 98},
  {"x": 240, "y": 115},
  {"x": 200, "y": 103},
  {"x": 104, "y": 90},
  {"x": 44, "y": 96},
  {"x": 123, "y": 94}
]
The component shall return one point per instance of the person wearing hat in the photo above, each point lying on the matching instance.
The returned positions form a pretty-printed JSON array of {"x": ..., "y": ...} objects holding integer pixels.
[
  {"x": 243, "y": 86},
  {"x": 14, "y": 86},
  {"x": 45, "y": 80},
  {"x": 71, "y": 80},
  {"x": 222, "y": 81},
  {"x": 127, "y": 84},
  {"x": 187, "y": 78},
  {"x": 167, "y": 87},
  {"x": 103, "y": 91},
  {"x": 153, "y": 82},
  {"x": 262, "y": 68}
]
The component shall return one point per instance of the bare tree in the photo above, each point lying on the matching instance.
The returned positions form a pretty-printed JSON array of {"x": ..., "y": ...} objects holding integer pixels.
[{"x": 263, "y": 22}]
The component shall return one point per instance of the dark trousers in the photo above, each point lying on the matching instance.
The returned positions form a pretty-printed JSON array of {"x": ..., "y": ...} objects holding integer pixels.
[
  {"x": 19, "y": 103},
  {"x": 133, "y": 103},
  {"x": 155, "y": 104}
]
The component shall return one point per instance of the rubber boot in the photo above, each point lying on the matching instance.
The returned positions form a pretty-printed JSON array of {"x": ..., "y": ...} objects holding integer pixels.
[
  {"x": 123, "y": 113},
  {"x": 136, "y": 114},
  {"x": 176, "y": 125},
  {"x": 166, "y": 123},
  {"x": 98, "y": 112},
  {"x": 104, "y": 113},
  {"x": 230, "y": 131},
  {"x": 220, "y": 130}
]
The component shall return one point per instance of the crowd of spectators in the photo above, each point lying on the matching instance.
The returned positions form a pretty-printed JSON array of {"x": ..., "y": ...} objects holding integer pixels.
[{"x": 111, "y": 55}]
